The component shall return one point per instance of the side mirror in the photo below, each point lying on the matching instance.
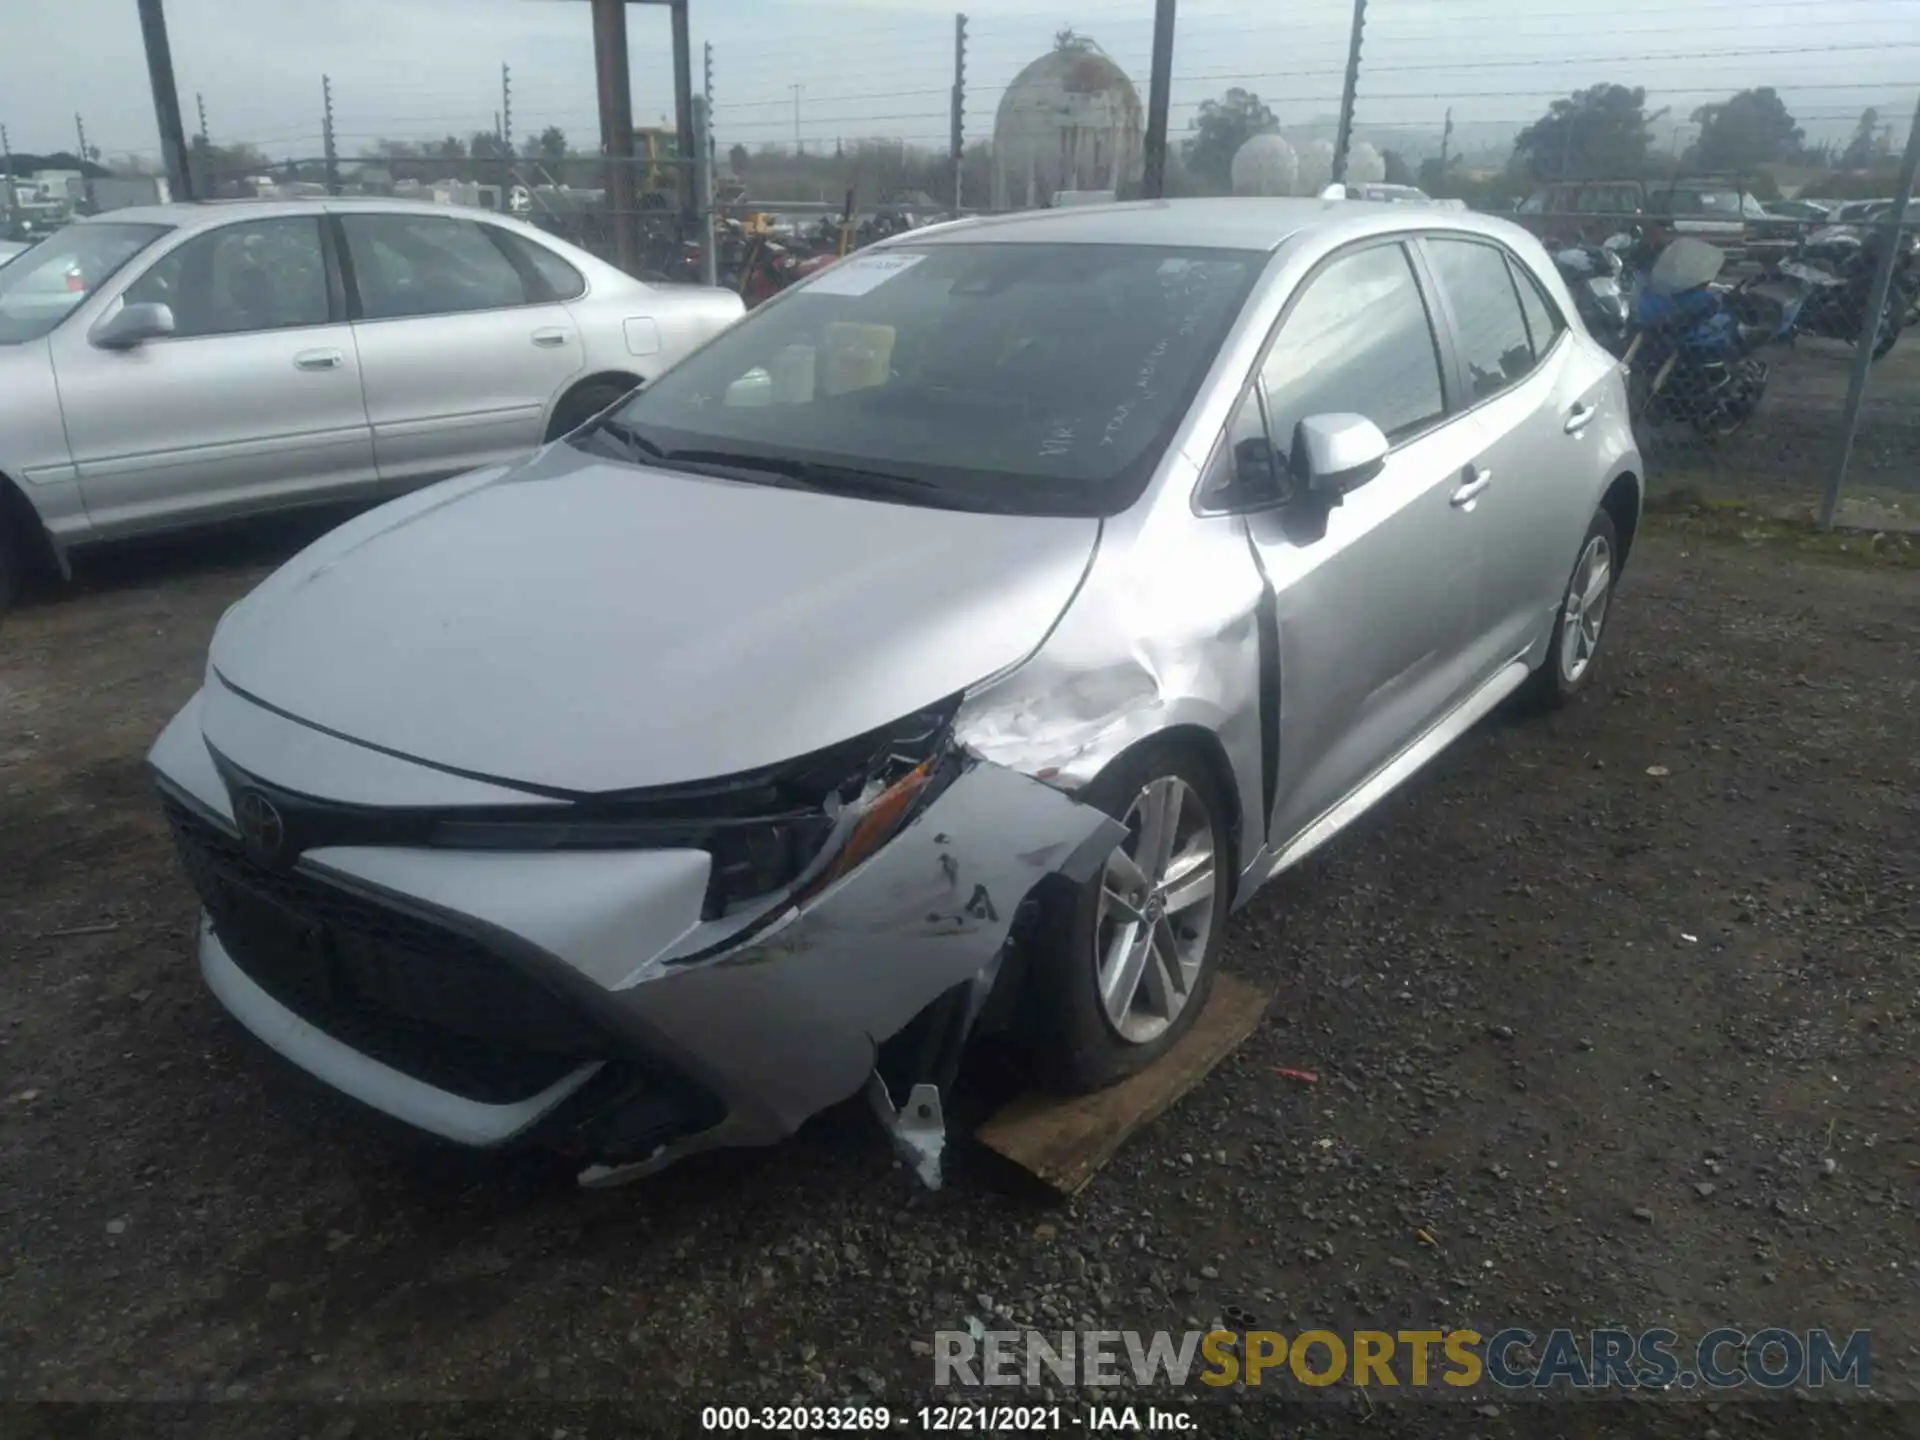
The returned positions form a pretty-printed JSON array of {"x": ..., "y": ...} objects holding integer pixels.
[
  {"x": 1332, "y": 454},
  {"x": 134, "y": 325}
]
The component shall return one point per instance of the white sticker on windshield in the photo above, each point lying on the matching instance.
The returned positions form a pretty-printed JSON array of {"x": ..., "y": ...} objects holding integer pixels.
[{"x": 861, "y": 273}]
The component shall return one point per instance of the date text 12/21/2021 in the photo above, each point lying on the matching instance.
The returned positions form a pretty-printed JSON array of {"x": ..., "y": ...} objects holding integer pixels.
[{"x": 943, "y": 1419}]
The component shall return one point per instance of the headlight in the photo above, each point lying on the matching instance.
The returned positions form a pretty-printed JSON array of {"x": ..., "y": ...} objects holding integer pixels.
[{"x": 765, "y": 830}]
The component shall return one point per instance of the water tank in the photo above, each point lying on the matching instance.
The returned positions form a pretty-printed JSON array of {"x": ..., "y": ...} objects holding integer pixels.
[
  {"x": 1316, "y": 167},
  {"x": 1365, "y": 165},
  {"x": 1071, "y": 120},
  {"x": 1265, "y": 165}
]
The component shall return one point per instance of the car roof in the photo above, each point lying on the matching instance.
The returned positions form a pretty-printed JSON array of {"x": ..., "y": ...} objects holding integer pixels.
[
  {"x": 1235, "y": 223},
  {"x": 204, "y": 214}
]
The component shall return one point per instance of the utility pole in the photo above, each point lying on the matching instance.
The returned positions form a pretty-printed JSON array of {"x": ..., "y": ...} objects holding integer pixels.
[
  {"x": 86, "y": 159},
  {"x": 166, "y": 99},
  {"x": 201, "y": 149},
  {"x": 1870, "y": 321},
  {"x": 616, "y": 128},
  {"x": 506, "y": 109},
  {"x": 1446, "y": 142},
  {"x": 686, "y": 140},
  {"x": 1153, "y": 180},
  {"x": 6, "y": 178},
  {"x": 958, "y": 139},
  {"x": 703, "y": 192},
  {"x": 706, "y": 89},
  {"x": 326, "y": 135},
  {"x": 1343, "y": 139},
  {"x": 798, "y": 148}
]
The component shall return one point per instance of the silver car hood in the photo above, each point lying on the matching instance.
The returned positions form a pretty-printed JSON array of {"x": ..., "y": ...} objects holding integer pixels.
[{"x": 590, "y": 626}]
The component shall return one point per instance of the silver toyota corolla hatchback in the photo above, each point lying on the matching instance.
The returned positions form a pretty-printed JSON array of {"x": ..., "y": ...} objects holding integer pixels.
[{"x": 951, "y": 644}]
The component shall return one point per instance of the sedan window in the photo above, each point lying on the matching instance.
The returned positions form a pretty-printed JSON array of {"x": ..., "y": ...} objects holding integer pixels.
[
  {"x": 1358, "y": 340},
  {"x": 257, "y": 275},
  {"x": 428, "y": 265},
  {"x": 1544, "y": 321},
  {"x": 563, "y": 282},
  {"x": 1040, "y": 378},
  {"x": 1486, "y": 313},
  {"x": 44, "y": 285}
]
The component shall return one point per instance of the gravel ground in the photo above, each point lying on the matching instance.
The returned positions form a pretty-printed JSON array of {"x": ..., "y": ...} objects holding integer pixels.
[{"x": 1618, "y": 1006}]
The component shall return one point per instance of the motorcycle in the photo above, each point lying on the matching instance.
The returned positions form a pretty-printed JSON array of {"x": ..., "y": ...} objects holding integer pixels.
[
  {"x": 1824, "y": 287},
  {"x": 768, "y": 267},
  {"x": 1593, "y": 274},
  {"x": 1690, "y": 358}
]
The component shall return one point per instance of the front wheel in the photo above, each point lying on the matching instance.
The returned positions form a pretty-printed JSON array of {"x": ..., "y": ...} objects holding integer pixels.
[
  {"x": 1125, "y": 962},
  {"x": 1581, "y": 621}
]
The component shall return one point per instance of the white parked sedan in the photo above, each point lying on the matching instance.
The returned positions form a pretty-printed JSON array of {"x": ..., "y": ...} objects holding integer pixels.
[{"x": 175, "y": 364}]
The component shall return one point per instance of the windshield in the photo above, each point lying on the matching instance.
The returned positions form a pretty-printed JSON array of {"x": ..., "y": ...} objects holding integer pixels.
[
  {"x": 1041, "y": 379},
  {"x": 41, "y": 287}
]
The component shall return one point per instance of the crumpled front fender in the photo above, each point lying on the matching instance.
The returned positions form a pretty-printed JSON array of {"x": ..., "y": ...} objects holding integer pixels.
[{"x": 790, "y": 1022}]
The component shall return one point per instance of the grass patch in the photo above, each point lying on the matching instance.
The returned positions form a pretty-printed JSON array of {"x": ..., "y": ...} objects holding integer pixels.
[{"x": 1729, "y": 522}]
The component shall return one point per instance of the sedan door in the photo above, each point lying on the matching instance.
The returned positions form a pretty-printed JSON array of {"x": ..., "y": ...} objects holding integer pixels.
[
  {"x": 251, "y": 403},
  {"x": 462, "y": 347},
  {"x": 1373, "y": 597},
  {"x": 1534, "y": 393}
]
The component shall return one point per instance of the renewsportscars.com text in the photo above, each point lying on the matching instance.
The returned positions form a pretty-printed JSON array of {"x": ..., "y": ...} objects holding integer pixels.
[{"x": 1512, "y": 1359}]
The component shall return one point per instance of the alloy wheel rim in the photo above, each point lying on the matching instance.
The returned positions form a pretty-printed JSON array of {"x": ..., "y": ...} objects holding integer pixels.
[
  {"x": 1156, "y": 911},
  {"x": 1584, "y": 615}
]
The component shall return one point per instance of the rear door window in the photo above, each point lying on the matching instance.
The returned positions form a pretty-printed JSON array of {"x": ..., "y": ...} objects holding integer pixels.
[
  {"x": 406, "y": 265},
  {"x": 1486, "y": 312}
]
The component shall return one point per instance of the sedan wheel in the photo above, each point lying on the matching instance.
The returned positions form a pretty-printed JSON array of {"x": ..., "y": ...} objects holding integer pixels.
[
  {"x": 1122, "y": 965},
  {"x": 1156, "y": 911},
  {"x": 1582, "y": 620},
  {"x": 1584, "y": 615}
]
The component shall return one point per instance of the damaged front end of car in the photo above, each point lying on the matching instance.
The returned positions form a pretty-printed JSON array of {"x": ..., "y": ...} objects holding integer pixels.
[
  {"x": 873, "y": 967},
  {"x": 629, "y": 978}
]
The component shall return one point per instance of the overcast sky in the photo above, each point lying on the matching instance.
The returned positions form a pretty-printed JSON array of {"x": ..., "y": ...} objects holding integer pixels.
[{"x": 421, "y": 68}]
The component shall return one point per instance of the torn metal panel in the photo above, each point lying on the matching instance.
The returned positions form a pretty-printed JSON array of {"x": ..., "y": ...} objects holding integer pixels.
[
  {"x": 1163, "y": 633},
  {"x": 917, "y": 1129}
]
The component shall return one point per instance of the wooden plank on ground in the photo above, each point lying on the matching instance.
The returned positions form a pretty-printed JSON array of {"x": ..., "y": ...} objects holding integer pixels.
[{"x": 1065, "y": 1139}]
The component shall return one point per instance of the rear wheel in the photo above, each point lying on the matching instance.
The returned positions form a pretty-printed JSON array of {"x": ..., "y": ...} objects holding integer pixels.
[
  {"x": 1580, "y": 623},
  {"x": 580, "y": 406},
  {"x": 13, "y": 556},
  {"x": 1125, "y": 963}
]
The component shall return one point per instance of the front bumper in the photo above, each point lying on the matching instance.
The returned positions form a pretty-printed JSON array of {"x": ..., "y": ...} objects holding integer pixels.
[{"x": 578, "y": 998}]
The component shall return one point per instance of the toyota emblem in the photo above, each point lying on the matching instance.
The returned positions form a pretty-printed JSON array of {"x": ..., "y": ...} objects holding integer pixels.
[{"x": 260, "y": 824}]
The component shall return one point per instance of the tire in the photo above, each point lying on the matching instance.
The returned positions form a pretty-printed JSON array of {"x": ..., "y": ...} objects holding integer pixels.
[
  {"x": 580, "y": 406},
  {"x": 1574, "y": 650},
  {"x": 13, "y": 556},
  {"x": 1892, "y": 318},
  {"x": 1081, "y": 1043}
]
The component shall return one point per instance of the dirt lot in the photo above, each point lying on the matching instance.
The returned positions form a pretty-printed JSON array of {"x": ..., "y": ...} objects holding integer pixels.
[{"x": 1633, "y": 1048}]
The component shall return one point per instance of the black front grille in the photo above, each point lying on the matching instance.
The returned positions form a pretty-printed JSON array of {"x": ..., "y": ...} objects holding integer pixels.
[{"x": 414, "y": 994}]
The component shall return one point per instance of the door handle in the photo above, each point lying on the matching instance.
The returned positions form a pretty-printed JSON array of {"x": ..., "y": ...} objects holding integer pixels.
[
  {"x": 1579, "y": 417},
  {"x": 549, "y": 339},
  {"x": 318, "y": 360},
  {"x": 1478, "y": 480}
]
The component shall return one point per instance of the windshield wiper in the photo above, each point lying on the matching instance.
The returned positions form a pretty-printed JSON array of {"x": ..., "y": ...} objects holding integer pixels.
[
  {"x": 836, "y": 479},
  {"x": 627, "y": 435}
]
